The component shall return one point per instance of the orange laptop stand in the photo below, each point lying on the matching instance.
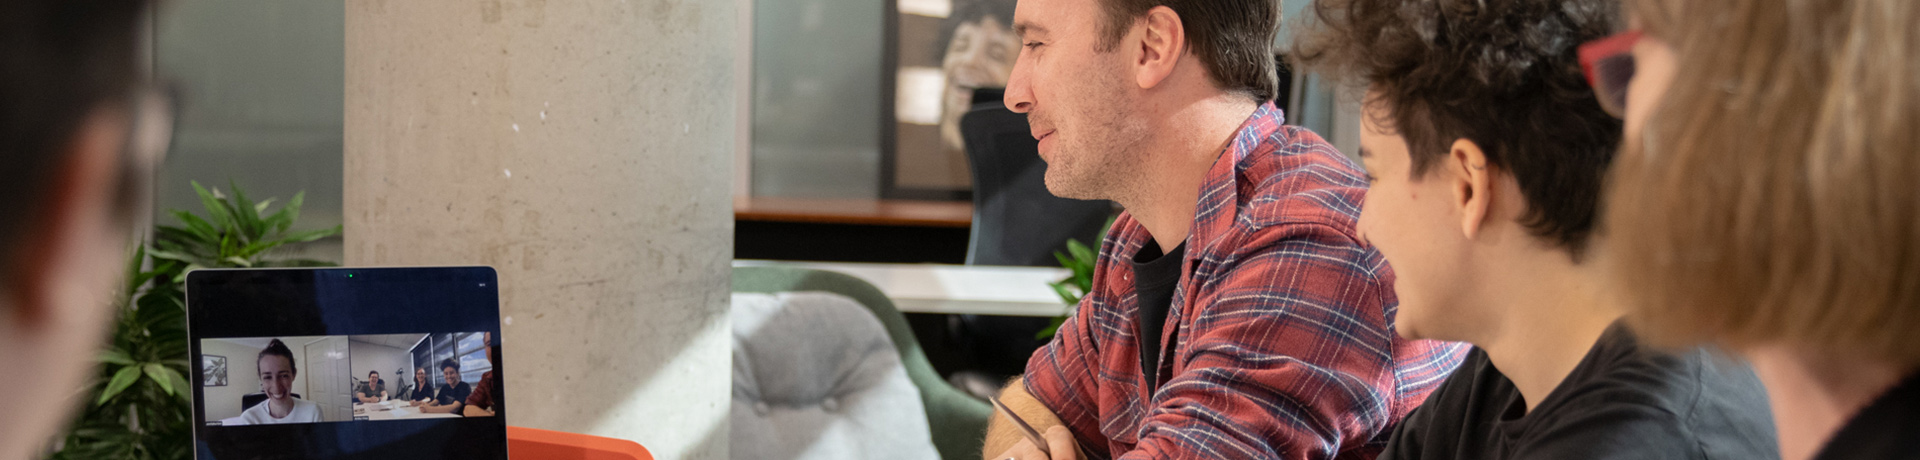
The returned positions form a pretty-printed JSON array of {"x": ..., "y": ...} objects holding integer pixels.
[{"x": 532, "y": 444}]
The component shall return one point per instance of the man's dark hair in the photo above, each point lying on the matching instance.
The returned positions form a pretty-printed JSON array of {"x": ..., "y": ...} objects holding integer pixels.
[
  {"x": 449, "y": 363},
  {"x": 1502, "y": 73},
  {"x": 63, "y": 60},
  {"x": 278, "y": 348},
  {"x": 373, "y": 373},
  {"x": 1234, "y": 38}
]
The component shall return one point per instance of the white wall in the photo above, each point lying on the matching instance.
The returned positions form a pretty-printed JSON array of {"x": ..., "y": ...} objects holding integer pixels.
[{"x": 366, "y": 357}]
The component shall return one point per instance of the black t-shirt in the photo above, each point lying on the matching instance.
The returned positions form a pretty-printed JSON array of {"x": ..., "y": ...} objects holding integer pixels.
[
  {"x": 1623, "y": 401},
  {"x": 1887, "y": 429},
  {"x": 1155, "y": 276},
  {"x": 450, "y": 394},
  {"x": 422, "y": 392}
]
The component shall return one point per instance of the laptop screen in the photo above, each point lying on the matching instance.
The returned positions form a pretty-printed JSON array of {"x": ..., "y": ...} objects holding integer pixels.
[{"x": 337, "y": 363}]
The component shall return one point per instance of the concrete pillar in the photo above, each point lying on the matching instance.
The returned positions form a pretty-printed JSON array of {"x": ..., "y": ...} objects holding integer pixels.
[{"x": 583, "y": 149}]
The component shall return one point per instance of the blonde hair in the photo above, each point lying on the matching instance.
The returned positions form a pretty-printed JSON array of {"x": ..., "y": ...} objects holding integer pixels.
[{"x": 1774, "y": 196}]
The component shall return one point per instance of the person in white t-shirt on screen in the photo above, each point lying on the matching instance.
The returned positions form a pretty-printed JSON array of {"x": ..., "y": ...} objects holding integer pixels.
[{"x": 276, "y": 380}]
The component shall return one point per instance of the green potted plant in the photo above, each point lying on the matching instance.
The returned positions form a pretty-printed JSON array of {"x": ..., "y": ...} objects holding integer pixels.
[
  {"x": 139, "y": 407},
  {"x": 1080, "y": 259}
]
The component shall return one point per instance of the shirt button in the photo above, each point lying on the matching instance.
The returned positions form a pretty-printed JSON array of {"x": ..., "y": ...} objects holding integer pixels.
[
  {"x": 831, "y": 404},
  {"x": 760, "y": 407}
]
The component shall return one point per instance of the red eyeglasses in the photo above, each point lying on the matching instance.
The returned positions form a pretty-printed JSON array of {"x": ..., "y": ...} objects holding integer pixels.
[{"x": 1608, "y": 63}]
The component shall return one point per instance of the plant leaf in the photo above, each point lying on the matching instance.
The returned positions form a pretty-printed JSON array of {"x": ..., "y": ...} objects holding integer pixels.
[
  {"x": 311, "y": 235},
  {"x": 170, "y": 255},
  {"x": 181, "y": 383},
  {"x": 200, "y": 227},
  {"x": 216, "y": 208},
  {"x": 116, "y": 356},
  {"x": 292, "y": 211},
  {"x": 161, "y": 375},
  {"x": 237, "y": 261},
  {"x": 245, "y": 215},
  {"x": 1080, "y": 251},
  {"x": 1066, "y": 295},
  {"x": 121, "y": 380},
  {"x": 283, "y": 219}
]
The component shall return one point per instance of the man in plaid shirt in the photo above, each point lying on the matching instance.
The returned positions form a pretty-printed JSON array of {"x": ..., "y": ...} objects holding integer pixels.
[{"x": 1235, "y": 312}]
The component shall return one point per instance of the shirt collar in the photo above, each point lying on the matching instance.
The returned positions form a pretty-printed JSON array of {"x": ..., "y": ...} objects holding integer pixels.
[{"x": 1216, "y": 210}]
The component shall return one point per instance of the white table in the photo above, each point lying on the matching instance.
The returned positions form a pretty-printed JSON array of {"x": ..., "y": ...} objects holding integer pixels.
[
  {"x": 952, "y": 289},
  {"x": 393, "y": 410}
]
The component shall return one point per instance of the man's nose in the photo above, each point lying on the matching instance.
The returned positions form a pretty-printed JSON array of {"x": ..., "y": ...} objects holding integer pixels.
[{"x": 1019, "y": 97}]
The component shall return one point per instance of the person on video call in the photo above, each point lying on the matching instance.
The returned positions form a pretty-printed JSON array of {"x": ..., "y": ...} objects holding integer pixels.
[
  {"x": 276, "y": 380},
  {"x": 373, "y": 390},
  {"x": 421, "y": 393},
  {"x": 485, "y": 400},
  {"x": 69, "y": 99},
  {"x": 452, "y": 397}
]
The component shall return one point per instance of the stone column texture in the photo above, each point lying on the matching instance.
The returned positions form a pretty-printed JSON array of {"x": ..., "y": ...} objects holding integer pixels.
[{"x": 584, "y": 150}]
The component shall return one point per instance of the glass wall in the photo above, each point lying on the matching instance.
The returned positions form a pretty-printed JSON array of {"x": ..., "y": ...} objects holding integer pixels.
[
  {"x": 262, "y": 93},
  {"x": 817, "y": 67}
]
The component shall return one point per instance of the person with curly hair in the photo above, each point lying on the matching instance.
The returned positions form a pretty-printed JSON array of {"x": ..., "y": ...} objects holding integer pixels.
[{"x": 1487, "y": 153}]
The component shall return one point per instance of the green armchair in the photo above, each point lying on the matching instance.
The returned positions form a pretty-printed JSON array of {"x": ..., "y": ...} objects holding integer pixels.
[{"x": 957, "y": 421}]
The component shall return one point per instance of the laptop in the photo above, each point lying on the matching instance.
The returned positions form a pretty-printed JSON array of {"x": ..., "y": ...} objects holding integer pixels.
[{"x": 346, "y": 363}]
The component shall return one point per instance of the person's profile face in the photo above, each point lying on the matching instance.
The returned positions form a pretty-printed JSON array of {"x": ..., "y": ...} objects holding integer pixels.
[
  {"x": 1079, "y": 99},
  {"x": 1415, "y": 226},
  {"x": 276, "y": 376},
  {"x": 453, "y": 376}
]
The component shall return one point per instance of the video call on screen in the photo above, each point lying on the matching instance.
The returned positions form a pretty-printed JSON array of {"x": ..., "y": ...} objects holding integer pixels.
[{"x": 347, "y": 363}]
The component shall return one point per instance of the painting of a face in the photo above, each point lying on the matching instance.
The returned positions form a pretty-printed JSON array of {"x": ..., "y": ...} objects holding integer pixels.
[
  {"x": 981, "y": 55},
  {"x": 946, "y": 49}
]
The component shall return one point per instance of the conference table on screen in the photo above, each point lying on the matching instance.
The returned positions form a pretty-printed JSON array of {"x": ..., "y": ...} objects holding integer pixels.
[
  {"x": 393, "y": 410},
  {"x": 951, "y": 289}
]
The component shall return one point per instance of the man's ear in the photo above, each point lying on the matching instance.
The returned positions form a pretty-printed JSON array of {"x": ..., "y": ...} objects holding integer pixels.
[
  {"x": 1466, "y": 166},
  {"x": 77, "y": 196},
  {"x": 1162, "y": 43}
]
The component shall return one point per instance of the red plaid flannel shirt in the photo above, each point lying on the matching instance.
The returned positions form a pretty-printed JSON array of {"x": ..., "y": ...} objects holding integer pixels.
[{"x": 1285, "y": 346}]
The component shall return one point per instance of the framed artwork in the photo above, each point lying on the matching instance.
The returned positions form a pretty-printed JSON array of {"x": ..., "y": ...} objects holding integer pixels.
[
  {"x": 942, "y": 50},
  {"x": 214, "y": 371}
]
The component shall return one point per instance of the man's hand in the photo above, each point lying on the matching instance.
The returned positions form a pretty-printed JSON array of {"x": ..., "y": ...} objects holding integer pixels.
[
  {"x": 1002, "y": 435},
  {"x": 1059, "y": 441}
]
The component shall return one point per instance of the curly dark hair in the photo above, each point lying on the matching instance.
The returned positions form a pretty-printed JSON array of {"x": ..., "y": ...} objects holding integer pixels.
[{"x": 1504, "y": 74}]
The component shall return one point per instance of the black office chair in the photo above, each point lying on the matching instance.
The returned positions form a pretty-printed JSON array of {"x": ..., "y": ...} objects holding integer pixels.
[
  {"x": 247, "y": 401},
  {"x": 1016, "y": 221}
]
